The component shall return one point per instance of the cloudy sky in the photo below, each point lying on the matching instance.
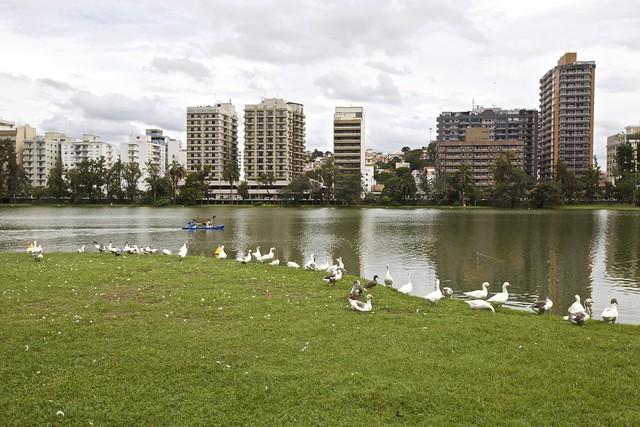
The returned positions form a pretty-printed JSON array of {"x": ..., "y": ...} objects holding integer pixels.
[{"x": 116, "y": 67}]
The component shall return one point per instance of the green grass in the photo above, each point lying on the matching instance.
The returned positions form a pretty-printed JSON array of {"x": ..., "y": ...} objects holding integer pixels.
[{"x": 151, "y": 340}]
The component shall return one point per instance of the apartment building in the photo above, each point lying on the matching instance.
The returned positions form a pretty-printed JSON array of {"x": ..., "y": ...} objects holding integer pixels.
[
  {"x": 274, "y": 132},
  {"x": 503, "y": 124},
  {"x": 348, "y": 140},
  {"x": 40, "y": 155},
  {"x": 630, "y": 134},
  {"x": 90, "y": 147},
  {"x": 478, "y": 150},
  {"x": 212, "y": 140},
  {"x": 142, "y": 149},
  {"x": 566, "y": 116},
  {"x": 16, "y": 135}
]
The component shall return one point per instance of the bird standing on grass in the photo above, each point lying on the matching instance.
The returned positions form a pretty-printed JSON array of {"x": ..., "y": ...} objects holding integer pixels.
[
  {"x": 333, "y": 278},
  {"x": 501, "y": 297},
  {"x": 480, "y": 304},
  {"x": 576, "y": 307},
  {"x": 221, "y": 254},
  {"x": 478, "y": 294},
  {"x": 610, "y": 314},
  {"x": 372, "y": 283},
  {"x": 356, "y": 291},
  {"x": 542, "y": 307},
  {"x": 182, "y": 253},
  {"x": 436, "y": 295},
  {"x": 407, "y": 287},
  {"x": 388, "y": 280}
]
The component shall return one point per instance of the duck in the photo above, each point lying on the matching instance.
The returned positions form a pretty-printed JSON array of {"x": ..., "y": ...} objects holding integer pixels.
[
  {"x": 407, "y": 287},
  {"x": 257, "y": 255},
  {"x": 311, "y": 263},
  {"x": 222, "y": 254},
  {"x": 388, "y": 280},
  {"x": 166, "y": 252},
  {"x": 447, "y": 292},
  {"x": 293, "y": 264},
  {"x": 542, "y": 307},
  {"x": 436, "y": 295},
  {"x": 356, "y": 290},
  {"x": 98, "y": 246},
  {"x": 323, "y": 267},
  {"x": 610, "y": 314},
  {"x": 340, "y": 263},
  {"x": 37, "y": 256},
  {"x": 588, "y": 306},
  {"x": 217, "y": 251},
  {"x": 333, "y": 278},
  {"x": 372, "y": 283},
  {"x": 480, "y": 304},
  {"x": 362, "y": 306},
  {"x": 578, "y": 318},
  {"x": 478, "y": 294},
  {"x": 269, "y": 256},
  {"x": 501, "y": 297},
  {"x": 127, "y": 249},
  {"x": 182, "y": 253},
  {"x": 80, "y": 250},
  {"x": 275, "y": 262},
  {"x": 246, "y": 259},
  {"x": 576, "y": 307}
]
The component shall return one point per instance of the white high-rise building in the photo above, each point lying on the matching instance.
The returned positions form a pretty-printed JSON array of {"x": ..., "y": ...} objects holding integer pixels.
[
  {"x": 89, "y": 148},
  {"x": 143, "y": 149},
  {"x": 175, "y": 152},
  {"x": 39, "y": 156}
]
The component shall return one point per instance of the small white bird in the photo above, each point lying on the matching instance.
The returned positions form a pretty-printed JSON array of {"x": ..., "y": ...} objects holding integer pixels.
[
  {"x": 480, "y": 304},
  {"x": 340, "y": 263},
  {"x": 275, "y": 262},
  {"x": 447, "y": 292},
  {"x": 257, "y": 254},
  {"x": 362, "y": 306},
  {"x": 222, "y": 254},
  {"x": 80, "y": 250},
  {"x": 501, "y": 297},
  {"x": 542, "y": 307},
  {"x": 578, "y": 318},
  {"x": 436, "y": 295},
  {"x": 610, "y": 314},
  {"x": 182, "y": 253},
  {"x": 98, "y": 246},
  {"x": 37, "y": 256},
  {"x": 478, "y": 294},
  {"x": 311, "y": 263},
  {"x": 269, "y": 256},
  {"x": 388, "y": 280},
  {"x": 166, "y": 252},
  {"x": 293, "y": 264},
  {"x": 576, "y": 307},
  {"x": 407, "y": 287},
  {"x": 333, "y": 278}
]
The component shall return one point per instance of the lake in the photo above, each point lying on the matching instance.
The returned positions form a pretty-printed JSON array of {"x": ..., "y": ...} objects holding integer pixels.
[{"x": 560, "y": 253}]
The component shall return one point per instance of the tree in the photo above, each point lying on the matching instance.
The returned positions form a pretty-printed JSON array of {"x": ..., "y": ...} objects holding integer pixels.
[
  {"x": 348, "y": 188},
  {"x": 462, "y": 181},
  {"x": 13, "y": 181},
  {"x": 511, "y": 183},
  {"x": 153, "y": 179},
  {"x": 131, "y": 174},
  {"x": 297, "y": 188},
  {"x": 566, "y": 181},
  {"x": 414, "y": 158},
  {"x": 316, "y": 153},
  {"x": 624, "y": 159},
  {"x": 231, "y": 174},
  {"x": 176, "y": 172},
  {"x": 266, "y": 179},
  {"x": 243, "y": 190},
  {"x": 56, "y": 185},
  {"x": 425, "y": 185},
  {"x": 114, "y": 181},
  {"x": 545, "y": 194},
  {"x": 589, "y": 184},
  {"x": 87, "y": 179},
  {"x": 405, "y": 149}
]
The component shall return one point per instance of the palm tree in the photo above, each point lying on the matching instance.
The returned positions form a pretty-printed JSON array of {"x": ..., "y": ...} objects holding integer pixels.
[
  {"x": 176, "y": 172},
  {"x": 231, "y": 174},
  {"x": 266, "y": 179}
]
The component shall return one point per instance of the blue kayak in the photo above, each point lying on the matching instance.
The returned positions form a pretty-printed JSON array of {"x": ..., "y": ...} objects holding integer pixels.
[{"x": 204, "y": 227}]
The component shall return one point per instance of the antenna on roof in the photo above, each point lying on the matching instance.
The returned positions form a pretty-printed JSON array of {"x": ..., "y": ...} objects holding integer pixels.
[{"x": 473, "y": 103}]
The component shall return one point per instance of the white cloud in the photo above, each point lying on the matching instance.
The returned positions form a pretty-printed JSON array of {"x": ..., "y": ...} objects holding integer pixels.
[{"x": 194, "y": 69}]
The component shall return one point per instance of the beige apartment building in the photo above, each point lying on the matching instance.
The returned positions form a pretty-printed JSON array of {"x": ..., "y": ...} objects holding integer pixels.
[
  {"x": 40, "y": 155},
  {"x": 348, "y": 140},
  {"x": 274, "y": 142},
  {"x": 16, "y": 135},
  {"x": 631, "y": 135},
  {"x": 566, "y": 116},
  {"x": 479, "y": 151},
  {"x": 212, "y": 140}
]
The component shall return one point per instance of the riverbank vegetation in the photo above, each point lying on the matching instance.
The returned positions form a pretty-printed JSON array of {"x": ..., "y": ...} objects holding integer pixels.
[{"x": 90, "y": 339}]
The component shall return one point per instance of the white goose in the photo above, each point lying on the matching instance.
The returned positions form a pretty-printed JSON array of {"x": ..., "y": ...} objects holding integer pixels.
[
  {"x": 333, "y": 278},
  {"x": 222, "y": 254},
  {"x": 542, "y": 307},
  {"x": 269, "y": 256},
  {"x": 311, "y": 263},
  {"x": 362, "y": 306},
  {"x": 127, "y": 249},
  {"x": 293, "y": 264},
  {"x": 275, "y": 262},
  {"x": 578, "y": 318},
  {"x": 407, "y": 287},
  {"x": 480, "y": 293},
  {"x": 245, "y": 259},
  {"x": 480, "y": 304},
  {"x": 340, "y": 263},
  {"x": 37, "y": 256},
  {"x": 166, "y": 252},
  {"x": 576, "y": 307},
  {"x": 610, "y": 314},
  {"x": 80, "y": 250},
  {"x": 436, "y": 295},
  {"x": 182, "y": 253},
  {"x": 323, "y": 267},
  {"x": 388, "y": 280},
  {"x": 501, "y": 297},
  {"x": 257, "y": 255}
]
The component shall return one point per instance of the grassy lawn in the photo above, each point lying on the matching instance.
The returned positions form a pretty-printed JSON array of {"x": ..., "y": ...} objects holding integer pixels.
[{"x": 150, "y": 340}]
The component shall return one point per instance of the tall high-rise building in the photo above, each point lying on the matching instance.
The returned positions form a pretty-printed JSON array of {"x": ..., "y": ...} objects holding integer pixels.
[
  {"x": 39, "y": 156},
  {"x": 348, "y": 140},
  {"x": 566, "y": 116},
  {"x": 274, "y": 142},
  {"x": 212, "y": 140},
  {"x": 513, "y": 124}
]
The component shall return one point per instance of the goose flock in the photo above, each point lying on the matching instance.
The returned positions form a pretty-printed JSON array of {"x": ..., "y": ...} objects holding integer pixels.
[{"x": 578, "y": 313}]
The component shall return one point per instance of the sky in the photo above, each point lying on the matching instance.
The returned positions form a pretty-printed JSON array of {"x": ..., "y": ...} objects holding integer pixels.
[{"x": 116, "y": 67}]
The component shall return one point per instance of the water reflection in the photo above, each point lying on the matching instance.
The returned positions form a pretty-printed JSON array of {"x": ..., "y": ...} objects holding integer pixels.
[{"x": 562, "y": 253}]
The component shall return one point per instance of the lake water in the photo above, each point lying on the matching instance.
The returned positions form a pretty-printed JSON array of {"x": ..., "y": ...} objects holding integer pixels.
[{"x": 594, "y": 254}]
